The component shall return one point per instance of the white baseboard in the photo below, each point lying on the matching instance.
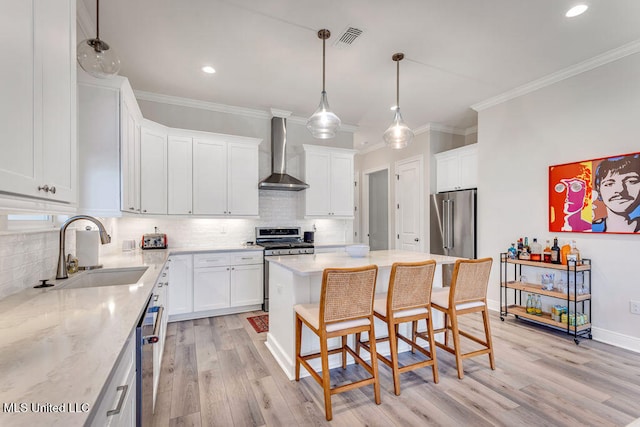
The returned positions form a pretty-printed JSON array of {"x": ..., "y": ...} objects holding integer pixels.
[
  {"x": 599, "y": 334},
  {"x": 617, "y": 339}
]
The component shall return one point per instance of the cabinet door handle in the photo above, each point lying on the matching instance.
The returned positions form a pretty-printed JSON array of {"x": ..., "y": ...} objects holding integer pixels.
[
  {"x": 155, "y": 299},
  {"x": 116, "y": 411},
  {"x": 44, "y": 188},
  {"x": 52, "y": 189},
  {"x": 144, "y": 210},
  {"x": 131, "y": 208}
]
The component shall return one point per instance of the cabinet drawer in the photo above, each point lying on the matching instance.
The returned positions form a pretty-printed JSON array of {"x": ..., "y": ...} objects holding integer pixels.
[
  {"x": 118, "y": 389},
  {"x": 241, "y": 258},
  {"x": 211, "y": 260}
]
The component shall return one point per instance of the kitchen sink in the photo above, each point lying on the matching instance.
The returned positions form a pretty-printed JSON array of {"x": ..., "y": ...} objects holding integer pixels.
[{"x": 104, "y": 277}]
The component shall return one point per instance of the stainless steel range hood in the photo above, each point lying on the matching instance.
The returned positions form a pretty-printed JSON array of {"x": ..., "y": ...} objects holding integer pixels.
[{"x": 279, "y": 180}]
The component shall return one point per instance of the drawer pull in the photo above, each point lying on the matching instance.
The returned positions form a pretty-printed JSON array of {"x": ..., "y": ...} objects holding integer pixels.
[
  {"x": 116, "y": 411},
  {"x": 247, "y": 257}
]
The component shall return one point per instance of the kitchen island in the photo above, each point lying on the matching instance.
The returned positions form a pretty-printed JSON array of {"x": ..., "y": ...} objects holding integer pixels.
[{"x": 297, "y": 280}]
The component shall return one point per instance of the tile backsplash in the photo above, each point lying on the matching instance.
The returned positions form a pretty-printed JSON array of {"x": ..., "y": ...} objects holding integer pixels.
[
  {"x": 27, "y": 257},
  {"x": 277, "y": 208}
]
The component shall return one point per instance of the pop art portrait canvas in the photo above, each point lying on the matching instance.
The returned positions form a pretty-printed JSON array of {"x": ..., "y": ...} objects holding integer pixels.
[{"x": 596, "y": 196}]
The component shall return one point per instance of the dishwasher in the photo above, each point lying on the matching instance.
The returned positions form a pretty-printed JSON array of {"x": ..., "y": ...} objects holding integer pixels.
[{"x": 147, "y": 335}]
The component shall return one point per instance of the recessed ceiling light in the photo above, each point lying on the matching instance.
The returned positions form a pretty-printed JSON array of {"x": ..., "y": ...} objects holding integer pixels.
[
  {"x": 208, "y": 69},
  {"x": 576, "y": 10}
]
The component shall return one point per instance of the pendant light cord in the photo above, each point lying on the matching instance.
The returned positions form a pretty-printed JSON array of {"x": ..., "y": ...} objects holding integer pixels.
[
  {"x": 397, "y": 85},
  {"x": 97, "y": 19},
  {"x": 323, "y": 56}
]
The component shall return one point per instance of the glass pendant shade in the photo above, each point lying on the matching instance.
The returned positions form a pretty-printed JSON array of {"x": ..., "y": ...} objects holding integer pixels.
[
  {"x": 398, "y": 135},
  {"x": 97, "y": 58},
  {"x": 323, "y": 124}
]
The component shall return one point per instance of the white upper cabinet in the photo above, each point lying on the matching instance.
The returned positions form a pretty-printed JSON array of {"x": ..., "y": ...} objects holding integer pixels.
[
  {"x": 153, "y": 168},
  {"x": 243, "y": 177},
  {"x": 225, "y": 175},
  {"x": 457, "y": 169},
  {"x": 209, "y": 177},
  {"x": 329, "y": 173},
  {"x": 179, "y": 150},
  {"x": 38, "y": 105},
  {"x": 109, "y": 145},
  {"x": 130, "y": 124}
]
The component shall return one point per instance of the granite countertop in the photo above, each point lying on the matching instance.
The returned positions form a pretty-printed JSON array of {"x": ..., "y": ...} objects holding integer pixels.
[
  {"x": 58, "y": 346},
  {"x": 316, "y": 263}
]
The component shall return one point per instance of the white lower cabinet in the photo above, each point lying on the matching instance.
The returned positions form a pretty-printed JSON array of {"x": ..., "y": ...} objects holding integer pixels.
[
  {"x": 243, "y": 285},
  {"x": 217, "y": 282},
  {"x": 180, "y": 293},
  {"x": 211, "y": 288},
  {"x": 117, "y": 407}
]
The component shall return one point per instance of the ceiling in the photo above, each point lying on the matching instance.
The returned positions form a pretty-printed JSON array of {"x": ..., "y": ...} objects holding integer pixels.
[{"x": 267, "y": 53}]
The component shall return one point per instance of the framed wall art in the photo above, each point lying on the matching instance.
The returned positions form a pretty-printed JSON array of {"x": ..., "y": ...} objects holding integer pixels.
[{"x": 596, "y": 196}]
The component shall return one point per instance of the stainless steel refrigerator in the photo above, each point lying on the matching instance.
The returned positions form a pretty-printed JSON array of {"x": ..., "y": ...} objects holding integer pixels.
[{"x": 453, "y": 227}]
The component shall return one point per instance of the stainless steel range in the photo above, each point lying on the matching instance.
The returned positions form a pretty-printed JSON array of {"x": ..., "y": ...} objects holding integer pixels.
[{"x": 280, "y": 241}]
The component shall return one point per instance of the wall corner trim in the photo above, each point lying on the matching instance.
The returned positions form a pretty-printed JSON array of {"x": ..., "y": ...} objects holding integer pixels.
[{"x": 581, "y": 67}]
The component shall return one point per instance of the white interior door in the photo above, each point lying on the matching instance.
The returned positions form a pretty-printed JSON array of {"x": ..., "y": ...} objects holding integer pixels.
[{"x": 410, "y": 204}]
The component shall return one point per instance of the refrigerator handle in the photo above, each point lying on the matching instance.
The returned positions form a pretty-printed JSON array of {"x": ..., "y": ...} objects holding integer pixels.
[
  {"x": 445, "y": 224},
  {"x": 450, "y": 208}
]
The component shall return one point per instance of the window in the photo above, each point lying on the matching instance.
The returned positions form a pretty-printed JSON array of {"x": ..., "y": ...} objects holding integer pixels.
[{"x": 26, "y": 222}]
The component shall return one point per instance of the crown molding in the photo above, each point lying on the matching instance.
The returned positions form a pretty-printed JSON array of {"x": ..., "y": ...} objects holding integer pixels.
[
  {"x": 229, "y": 109},
  {"x": 369, "y": 149},
  {"x": 204, "y": 105},
  {"x": 581, "y": 67},
  {"x": 424, "y": 129},
  {"x": 303, "y": 121}
]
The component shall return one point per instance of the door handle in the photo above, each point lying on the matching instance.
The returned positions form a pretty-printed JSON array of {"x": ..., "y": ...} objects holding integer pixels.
[
  {"x": 445, "y": 217},
  {"x": 450, "y": 225}
]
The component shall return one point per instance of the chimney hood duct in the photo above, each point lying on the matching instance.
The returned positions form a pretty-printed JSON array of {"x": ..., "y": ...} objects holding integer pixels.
[{"x": 279, "y": 180}]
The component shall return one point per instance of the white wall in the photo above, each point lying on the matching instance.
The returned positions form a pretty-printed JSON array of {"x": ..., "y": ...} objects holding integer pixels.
[
  {"x": 424, "y": 144},
  {"x": 591, "y": 115}
]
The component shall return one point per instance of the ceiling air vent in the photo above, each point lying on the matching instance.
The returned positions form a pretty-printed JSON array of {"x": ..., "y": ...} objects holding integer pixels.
[{"x": 348, "y": 37}]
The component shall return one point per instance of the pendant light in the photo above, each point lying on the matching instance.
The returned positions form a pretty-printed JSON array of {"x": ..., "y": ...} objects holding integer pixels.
[
  {"x": 398, "y": 135},
  {"x": 95, "y": 56},
  {"x": 323, "y": 124}
]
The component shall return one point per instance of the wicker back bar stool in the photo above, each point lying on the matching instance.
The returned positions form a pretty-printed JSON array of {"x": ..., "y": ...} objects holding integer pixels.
[
  {"x": 346, "y": 307},
  {"x": 467, "y": 294},
  {"x": 408, "y": 299}
]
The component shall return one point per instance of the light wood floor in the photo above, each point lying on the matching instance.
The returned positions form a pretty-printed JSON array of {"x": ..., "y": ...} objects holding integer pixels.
[{"x": 218, "y": 372}]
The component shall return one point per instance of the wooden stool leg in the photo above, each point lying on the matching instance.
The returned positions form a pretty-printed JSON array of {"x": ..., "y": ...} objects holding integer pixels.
[
  {"x": 326, "y": 380},
  {"x": 393, "y": 348},
  {"x": 456, "y": 343},
  {"x": 414, "y": 335},
  {"x": 344, "y": 352},
  {"x": 487, "y": 332},
  {"x": 298, "y": 345},
  {"x": 374, "y": 363},
  {"x": 432, "y": 350}
]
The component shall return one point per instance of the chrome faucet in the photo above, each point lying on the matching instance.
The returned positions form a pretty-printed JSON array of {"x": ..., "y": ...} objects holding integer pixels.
[{"x": 62, "y": 265}]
